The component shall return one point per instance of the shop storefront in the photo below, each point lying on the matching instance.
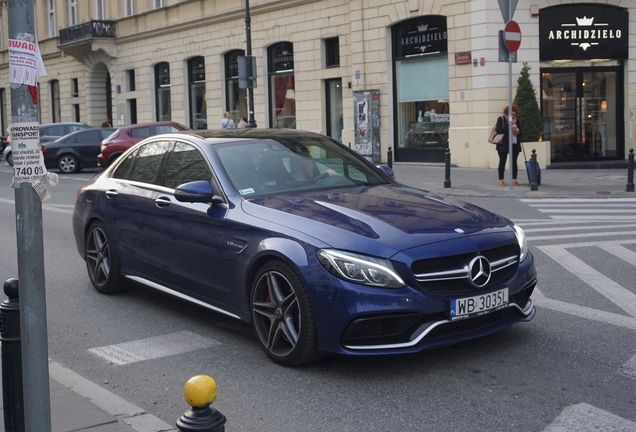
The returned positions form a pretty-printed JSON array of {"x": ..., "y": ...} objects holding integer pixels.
[
  {"x": 583, "y": 48},
  {"x": 420, "y": 68}
]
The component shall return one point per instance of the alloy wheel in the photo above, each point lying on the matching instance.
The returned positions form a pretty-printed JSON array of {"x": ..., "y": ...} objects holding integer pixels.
[
  {"x": 98, "y": 256},
  {"x": 276, "y": 313},
  {"x": 67, "y": 164}
]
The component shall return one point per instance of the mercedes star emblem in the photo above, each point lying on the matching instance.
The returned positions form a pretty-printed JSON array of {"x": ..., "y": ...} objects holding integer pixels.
[{"x": 479, "y": 269}]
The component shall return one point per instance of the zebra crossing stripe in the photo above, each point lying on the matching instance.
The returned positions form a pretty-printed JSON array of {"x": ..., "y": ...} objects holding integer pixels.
[
  {"x": 620, "y": 252},
  {"x": 629, "y": 368},
  {"x": 154, "y": 347},
  {"x": 587, "y": 418},
  {"x": 574, "y": 228},
  {"x": 581, "y": 235},
  {"x": 618, "y": 295},
  {"x": 585, "y": 312},
  {"x": 578, "y": 200}
]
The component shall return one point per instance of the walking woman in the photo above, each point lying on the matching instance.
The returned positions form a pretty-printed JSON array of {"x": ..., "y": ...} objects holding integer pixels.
[{"x": 503, "y": 148}]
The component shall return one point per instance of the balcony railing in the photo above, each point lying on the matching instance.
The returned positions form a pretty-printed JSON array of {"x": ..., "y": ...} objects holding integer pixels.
[{"x": 87, "y": 30}]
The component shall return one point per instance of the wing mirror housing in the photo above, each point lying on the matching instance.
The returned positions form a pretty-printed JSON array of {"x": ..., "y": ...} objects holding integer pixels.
[
  {"x": 387, "y": 171},
  {"x": 197, "y": 192}
]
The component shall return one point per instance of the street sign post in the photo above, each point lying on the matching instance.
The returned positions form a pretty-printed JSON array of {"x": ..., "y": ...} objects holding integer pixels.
[{"x": 512, "y": 36}]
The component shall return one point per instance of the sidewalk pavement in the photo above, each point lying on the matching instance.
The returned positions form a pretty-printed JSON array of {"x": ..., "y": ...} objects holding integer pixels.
[
  {"x": 485, "y": 182},
  {"x": 79, "y": 404}
]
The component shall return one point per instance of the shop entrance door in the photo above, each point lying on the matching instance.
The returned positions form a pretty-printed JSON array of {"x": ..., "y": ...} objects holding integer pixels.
[{"x": 581, "y": 113}]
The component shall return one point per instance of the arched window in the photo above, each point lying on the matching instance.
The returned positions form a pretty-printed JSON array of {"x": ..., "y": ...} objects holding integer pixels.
[
  {"x": 196, "y": 84},
  {"x": 235, "y": 97},
  {"x": 162, "y": 91},
  {"x": 282, "y": 92}
]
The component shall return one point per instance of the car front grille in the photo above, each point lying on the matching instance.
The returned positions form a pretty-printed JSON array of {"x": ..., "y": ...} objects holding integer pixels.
[{"x": 451, "y": 275}]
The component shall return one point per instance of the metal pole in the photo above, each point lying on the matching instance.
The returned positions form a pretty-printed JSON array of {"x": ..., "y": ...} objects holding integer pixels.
[
  {"x": 389, "y": 157},
  {"x": 534, "y": 183},
  {"x": 629, "y": 187},
  {"x": 12, "y": 395},
  {"x": 447, "y": 178},
  {"x": 251, "y": 123},
  {"x": 28, "y": 213},
  {"x": 510, "y": 100}
]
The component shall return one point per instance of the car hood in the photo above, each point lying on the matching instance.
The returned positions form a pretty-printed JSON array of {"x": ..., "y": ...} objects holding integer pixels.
[{"x": 382, "y": 219}]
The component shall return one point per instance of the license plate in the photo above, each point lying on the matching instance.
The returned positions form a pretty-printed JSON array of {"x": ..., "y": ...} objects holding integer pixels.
[{"x": 468, "y": 307}]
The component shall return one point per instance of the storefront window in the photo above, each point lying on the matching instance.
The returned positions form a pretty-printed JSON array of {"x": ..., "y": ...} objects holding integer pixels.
[
  {"x": 282, "y": 86},
  {"x": 162, "y": 91},
  {"x": 236, "y": 98},
  {"x": 422, "y": 112},
  {"x": 580, "y": 109},
  {"x": 196, "y": 81}
]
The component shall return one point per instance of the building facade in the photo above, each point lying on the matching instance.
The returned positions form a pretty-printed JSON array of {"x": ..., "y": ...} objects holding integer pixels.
[{"x": 418, "y": 76}]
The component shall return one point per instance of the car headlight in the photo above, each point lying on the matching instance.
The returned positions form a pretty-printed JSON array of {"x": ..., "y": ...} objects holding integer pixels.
[
  {"x": 523, "y": 242},
  {"x": 360, "y": 269}
]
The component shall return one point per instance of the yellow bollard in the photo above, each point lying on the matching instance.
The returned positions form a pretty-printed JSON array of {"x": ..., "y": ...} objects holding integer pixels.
[{"x": 199, "y": 392}]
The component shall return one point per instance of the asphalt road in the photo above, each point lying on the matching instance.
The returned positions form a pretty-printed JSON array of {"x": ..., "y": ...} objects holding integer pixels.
[{"x": 579, "y": 351}]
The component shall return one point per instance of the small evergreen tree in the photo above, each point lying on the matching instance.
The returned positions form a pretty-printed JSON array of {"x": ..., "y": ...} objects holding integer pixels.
[{"x": 529, "y": 113}]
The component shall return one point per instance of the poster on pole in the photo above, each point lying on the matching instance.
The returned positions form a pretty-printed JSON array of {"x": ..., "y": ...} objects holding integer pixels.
[
  {"x": 28, "y": 161},
  {"x": 25, "y": 62}
]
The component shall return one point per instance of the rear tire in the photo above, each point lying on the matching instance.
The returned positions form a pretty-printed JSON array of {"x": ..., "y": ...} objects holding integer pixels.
[
  {"x": 68, "y": 164},
  {"x": 10, "y": 158},
  {"x": 102, "y": 262},
  {"x": 282, "y": 317}
]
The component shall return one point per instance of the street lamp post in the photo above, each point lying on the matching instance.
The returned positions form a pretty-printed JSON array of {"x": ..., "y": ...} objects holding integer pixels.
[{"x": 251, "y": 123}]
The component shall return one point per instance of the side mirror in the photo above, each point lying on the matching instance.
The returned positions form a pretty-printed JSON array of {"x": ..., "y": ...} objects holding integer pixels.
[
  {"x": 387, "y": 171},
  {"x": 198, "y": 191}
]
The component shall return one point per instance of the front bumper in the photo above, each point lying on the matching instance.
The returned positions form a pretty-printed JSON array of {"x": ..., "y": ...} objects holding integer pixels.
[{"x": 356, "y": 320}]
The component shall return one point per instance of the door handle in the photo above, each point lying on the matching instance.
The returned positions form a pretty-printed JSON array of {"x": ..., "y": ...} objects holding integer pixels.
[
  {"x": 162, "y": 202},
  {"x": 111, "y": 193}
]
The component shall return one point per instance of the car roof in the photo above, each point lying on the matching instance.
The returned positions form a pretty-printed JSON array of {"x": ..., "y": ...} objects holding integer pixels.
[
  {"x": 81, "y": 131},
  {"x": 221, "y": 135},
  {"x": 159, "y": 123},
  {"x": 65, "y": 124}
]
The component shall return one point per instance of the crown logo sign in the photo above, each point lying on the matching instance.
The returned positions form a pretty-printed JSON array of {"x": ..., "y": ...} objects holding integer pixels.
[
  {"x": 585, "y": 21},
  {"x": 284, "y": 52},
  {"x": 422, "y": 28}
]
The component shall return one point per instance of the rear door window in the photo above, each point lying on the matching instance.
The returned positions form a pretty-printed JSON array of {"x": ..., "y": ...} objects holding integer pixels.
[
  {"x": 165, "y": 129},
  {"x": 140, "y": 132},
  {"x": 91, "y": 137},
  {"x": 145, "y": 165}
]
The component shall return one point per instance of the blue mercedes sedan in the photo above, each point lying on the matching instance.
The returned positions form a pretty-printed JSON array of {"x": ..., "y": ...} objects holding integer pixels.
[{"x": 321, "y": 251}]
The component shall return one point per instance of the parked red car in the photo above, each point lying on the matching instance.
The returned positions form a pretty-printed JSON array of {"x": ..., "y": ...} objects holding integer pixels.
[{"x": 124, "y": 138}]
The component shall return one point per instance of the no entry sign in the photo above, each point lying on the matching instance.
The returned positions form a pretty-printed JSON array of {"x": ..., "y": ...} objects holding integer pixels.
[{"x": 512, "y": 36}]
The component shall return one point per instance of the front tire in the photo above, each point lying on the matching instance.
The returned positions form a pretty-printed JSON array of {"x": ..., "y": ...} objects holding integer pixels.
[
  {"x": 102, "y": 262},
  {"x": 282, "y": 317},
  {"x": 10, "y": 158}
]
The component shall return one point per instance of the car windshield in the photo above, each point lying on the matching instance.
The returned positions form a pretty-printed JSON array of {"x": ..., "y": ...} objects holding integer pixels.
[{"x": 290, "y": 164}]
